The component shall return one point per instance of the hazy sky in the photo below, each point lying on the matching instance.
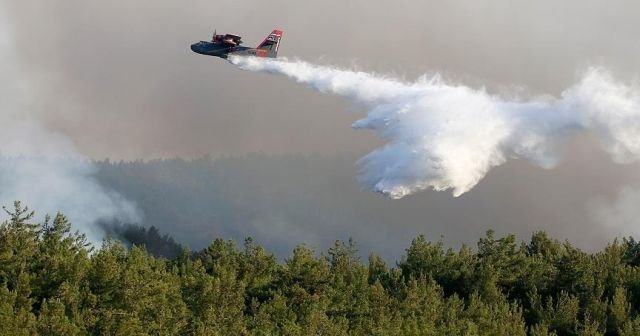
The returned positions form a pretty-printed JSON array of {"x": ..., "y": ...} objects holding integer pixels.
[{"x": 118, "y": 78}]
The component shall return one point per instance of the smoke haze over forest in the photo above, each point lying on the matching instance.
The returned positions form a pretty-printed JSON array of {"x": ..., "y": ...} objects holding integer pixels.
[{"x": 285, "y": 200}]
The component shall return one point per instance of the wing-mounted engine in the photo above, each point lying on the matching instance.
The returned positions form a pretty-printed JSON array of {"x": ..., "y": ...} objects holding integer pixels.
[{"x": 228, "y": 39}]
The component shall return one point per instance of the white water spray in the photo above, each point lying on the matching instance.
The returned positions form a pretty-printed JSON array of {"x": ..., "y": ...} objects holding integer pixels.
[{"x": 445, "y": 136}]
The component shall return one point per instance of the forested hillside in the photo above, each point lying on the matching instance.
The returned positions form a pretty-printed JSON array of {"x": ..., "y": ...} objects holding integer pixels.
[
  {"x": 283, "y": 200},
  {"x": 273, "y": 197},
  {"x": 53, "y": 283}
]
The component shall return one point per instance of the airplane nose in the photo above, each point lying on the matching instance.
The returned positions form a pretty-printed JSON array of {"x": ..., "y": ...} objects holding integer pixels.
[{"x": 197, "y": 48}]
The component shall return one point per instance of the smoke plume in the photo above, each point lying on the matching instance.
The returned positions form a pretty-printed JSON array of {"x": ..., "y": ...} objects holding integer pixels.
[
  {"x": 447, "y": 136},
  {"x": 42, "y": 168}
]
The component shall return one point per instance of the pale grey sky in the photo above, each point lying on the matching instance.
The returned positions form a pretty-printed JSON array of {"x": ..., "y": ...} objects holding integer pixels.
[{"x": 119, "y": 78}]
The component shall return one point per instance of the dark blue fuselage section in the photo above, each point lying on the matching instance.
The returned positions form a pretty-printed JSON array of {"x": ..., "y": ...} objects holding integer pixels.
[{"x": 218, "y": 49}]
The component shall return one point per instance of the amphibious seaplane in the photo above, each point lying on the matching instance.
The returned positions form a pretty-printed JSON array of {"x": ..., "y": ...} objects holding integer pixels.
[{"x": 227, "y": 45}]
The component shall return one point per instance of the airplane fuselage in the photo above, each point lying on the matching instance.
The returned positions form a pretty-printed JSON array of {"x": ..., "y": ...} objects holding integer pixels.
[{"x": 222, "y": 50}]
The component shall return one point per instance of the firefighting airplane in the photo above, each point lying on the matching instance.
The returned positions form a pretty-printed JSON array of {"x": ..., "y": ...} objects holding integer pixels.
[{"x": 227, "y": 45}]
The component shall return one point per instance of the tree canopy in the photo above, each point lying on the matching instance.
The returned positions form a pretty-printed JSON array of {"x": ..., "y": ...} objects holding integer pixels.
[{"x": 52, "y": 282}]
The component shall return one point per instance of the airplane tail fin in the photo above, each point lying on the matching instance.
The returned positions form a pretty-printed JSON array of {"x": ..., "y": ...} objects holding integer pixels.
[{"x": 269, "y": 47}]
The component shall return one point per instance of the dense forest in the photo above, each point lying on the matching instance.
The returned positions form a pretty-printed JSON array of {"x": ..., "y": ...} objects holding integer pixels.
[{"x": 52, "y": 282}]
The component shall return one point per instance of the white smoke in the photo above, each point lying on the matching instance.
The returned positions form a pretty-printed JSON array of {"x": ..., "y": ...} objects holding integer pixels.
[
  {"x": 43, "y": 168},
  {"x": 620, "y": 214},
  {"x": 446, "y": 136}
]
